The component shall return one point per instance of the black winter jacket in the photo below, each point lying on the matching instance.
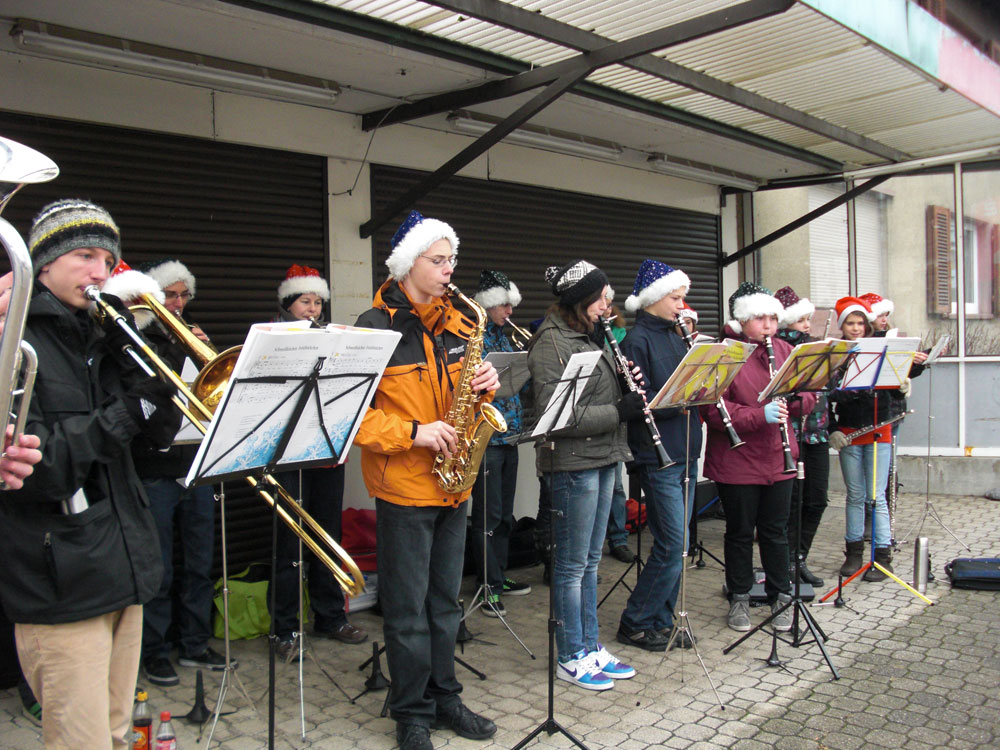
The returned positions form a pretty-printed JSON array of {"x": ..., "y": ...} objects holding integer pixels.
[
  {"x": 64, "y": 568},
  {"x": 656, "y": 349}
]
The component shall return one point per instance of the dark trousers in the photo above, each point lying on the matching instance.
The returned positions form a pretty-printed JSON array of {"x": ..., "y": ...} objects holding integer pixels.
[
  {"x": 191, "y": 512},
  {"x": 322, "y": 497},
  {"x": 816, "y": 458},
  {"x": 420, "y": 560},
  {"x": 764, "y": 507},
  {"x": 493, "y": 496}
]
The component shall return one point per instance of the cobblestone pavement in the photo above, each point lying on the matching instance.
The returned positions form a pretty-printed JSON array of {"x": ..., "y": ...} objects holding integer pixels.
[{"x": 912, "y": 675}]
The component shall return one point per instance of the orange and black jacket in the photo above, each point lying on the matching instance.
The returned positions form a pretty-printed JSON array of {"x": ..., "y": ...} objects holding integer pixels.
[{"x": 417, "y": 387}]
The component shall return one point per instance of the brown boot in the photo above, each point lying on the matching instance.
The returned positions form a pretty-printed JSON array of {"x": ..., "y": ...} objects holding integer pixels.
[
  {"x": 852, "y": 558},
  {"x": 883, "y": 556}
]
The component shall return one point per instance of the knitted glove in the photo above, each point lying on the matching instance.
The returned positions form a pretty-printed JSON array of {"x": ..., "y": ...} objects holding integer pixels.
[{"x": 837, "y": 440}]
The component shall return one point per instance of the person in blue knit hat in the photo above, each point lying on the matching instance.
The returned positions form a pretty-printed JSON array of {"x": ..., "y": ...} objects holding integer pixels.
[{"x": 656, "y": 348}]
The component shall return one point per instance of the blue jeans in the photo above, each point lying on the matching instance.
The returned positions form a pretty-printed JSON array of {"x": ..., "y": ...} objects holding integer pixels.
[
  {"x": 651, "y": 605},
  {"x": 322, "y": 496},
  {"x": 617, "y": 531},
  {"x": 584, "y": 499},
  {"x": 421, "y": 552},
  {"x": 856, "y": 465},
  {"x": 193, "y": 511},
  {"x": 493, "y": 494}
]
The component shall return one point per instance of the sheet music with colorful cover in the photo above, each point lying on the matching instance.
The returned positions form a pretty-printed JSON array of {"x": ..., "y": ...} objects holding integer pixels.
[
  {"x": 704, "y": 374},
  {"x": 339, "y": 367},
  {"x": 809, "y": 367},
  {"x": 880, "y": 363}
]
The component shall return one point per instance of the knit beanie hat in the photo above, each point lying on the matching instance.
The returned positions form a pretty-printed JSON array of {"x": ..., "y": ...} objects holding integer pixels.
[
  {"x": 167, "y": 272},
  {"x": 66, "y": 225},
  {"x": 413, "y": 237},
  {"x": 129, "y": 285},
  {"x": 847, "y": 305},
  {"x": 688, "y": 312},
  {"x": 654, "y": 281},
  {"x": 796, "y": 307},
  {"x": 575, "y": 282},
  {"x": 301, "y": 280},
  {"x": 879, "y": 305},
  {"x": 495, "y": 288}
]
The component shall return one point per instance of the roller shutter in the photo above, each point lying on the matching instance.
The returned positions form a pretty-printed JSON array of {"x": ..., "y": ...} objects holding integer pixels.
[
  {"x": 520, "y": 230},
  {"x": 236, "y": 216}
]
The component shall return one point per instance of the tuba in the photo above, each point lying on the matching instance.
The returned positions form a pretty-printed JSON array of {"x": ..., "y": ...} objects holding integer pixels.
[
  {"x": 458, "y": 473},
  {"x": 19, "y": 166},
  {"x": 349, "y": 578}
]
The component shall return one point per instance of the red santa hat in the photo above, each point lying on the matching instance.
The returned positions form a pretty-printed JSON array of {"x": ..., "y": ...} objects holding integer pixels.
[
  {"x": 879, "y": 305},
  {"x": 301, "y": 280},
  {"x": 129, "y": 285},
  {"x": 847, "y": 305}
]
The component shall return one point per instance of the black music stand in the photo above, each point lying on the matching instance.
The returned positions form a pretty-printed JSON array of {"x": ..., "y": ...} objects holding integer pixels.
[
  {"x": 557, "y": 415},
  {"x": 283, "y": 393},
  {"x": 635, "y": 491},
  {"x": 811, "y": 367}
]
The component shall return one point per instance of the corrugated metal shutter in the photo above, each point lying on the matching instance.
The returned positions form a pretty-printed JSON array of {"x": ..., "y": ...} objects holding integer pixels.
[
  {"x": 236, "y": 216},
  {"x": 828, "y": 246},
  {"x": 520, "y": 230}
]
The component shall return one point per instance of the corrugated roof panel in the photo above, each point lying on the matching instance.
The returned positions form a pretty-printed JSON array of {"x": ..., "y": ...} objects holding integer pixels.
[
  {"x": 895, "y": 109},
  {"x": 969, "y": 130}
]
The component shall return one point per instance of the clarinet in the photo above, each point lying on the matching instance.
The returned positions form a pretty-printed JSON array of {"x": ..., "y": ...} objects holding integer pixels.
[
  {"x": 734, "y": 439},
  {"x": 662, "y": 458},
  {"x": 786, "y": 446}
]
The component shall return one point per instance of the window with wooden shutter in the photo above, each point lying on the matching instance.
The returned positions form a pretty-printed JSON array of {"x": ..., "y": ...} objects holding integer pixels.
[{"x": 938, "y": 260}]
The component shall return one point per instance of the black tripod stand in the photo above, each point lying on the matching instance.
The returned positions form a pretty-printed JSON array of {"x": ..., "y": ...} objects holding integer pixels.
[
  {"x": 696, "y": 544},
  {"x": 635, "y": 491}
]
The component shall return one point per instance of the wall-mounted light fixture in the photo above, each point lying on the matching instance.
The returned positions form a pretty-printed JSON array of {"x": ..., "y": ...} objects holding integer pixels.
[
  {"x": 693, "y": 170},
  {"x": 530, "y": 135},
  {"x": 154, "y": 61}
]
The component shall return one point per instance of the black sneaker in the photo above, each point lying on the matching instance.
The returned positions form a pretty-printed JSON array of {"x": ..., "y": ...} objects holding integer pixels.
[
  {"x": 513, "y": 588},
  {"x": 287, "y": 649},
  {"x": 207, "y": 659},
  {"x": 160, "y": 671},
  {"x": 683, "y": 640},
  {"x": 413, "y": 737},
  {"x": 622, "y": 553},
  {"x": 649, "y": 640},
  {"x": 464, "y": 722}
]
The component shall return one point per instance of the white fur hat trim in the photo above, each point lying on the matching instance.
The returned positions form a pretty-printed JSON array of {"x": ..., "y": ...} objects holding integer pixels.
[
  {"x": 497, "y": 295},
  {"x": 795, "y": 312},
  {"x": 170, "y": 272},
  {"x": 754, "y": 305},
  {"x": 659, "y": 289},
  {"x": 415, "y": 242},
  {"x": 885, "y": 306},
  {"x": 854, "y": 309},
  {"x": 128, "y": 286},
  {"x": 298, "y": 285}
]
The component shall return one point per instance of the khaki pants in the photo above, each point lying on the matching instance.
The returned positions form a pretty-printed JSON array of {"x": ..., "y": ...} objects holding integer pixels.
[{"x": 83, "y": 675}]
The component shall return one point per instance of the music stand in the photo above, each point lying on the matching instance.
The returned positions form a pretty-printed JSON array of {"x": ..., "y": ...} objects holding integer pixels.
[
  {"x": 810, "y": 367},
  {"x": 558, "y": 414},
  {"x": 878, "y": 364},
  {"x": 295, "y": 399},
  {"x": 701, "y": 377},
  {"x": 637, "y": 563}
]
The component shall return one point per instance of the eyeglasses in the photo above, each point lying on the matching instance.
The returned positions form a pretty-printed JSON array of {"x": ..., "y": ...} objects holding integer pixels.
[
  {"x": 440, "y": 260},
  {"x": 171, "y": 296}
]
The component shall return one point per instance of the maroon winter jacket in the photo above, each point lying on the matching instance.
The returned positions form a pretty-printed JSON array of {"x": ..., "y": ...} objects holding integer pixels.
[{"x": 760, "y": 460}]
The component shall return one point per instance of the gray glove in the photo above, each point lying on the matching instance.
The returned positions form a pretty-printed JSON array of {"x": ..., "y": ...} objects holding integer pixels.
[
  {"x": 904, "y": 389},
  {"x": 837, "y": 440}
]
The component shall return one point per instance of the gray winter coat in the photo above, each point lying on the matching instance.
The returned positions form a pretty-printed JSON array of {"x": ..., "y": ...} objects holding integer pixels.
[{"x": 595, "y": 437}]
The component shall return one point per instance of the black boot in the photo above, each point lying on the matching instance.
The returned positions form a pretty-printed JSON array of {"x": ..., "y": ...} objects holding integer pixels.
[
  {"x": 883, "y": 556},
  {"x": 805, "y": 575},
  {"x": 852, "y": 560}
]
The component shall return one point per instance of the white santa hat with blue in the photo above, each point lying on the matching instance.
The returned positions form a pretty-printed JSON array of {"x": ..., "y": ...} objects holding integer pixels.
[
  {"x": 412, "y": 239},
  {"x": 654, "y": 281}
]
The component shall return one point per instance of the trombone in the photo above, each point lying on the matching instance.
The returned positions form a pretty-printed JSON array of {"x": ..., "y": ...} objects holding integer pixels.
[
  {"x": 351, "y": 580},
  {"x": 19, "y": 166},
  {"x": 518, "y": 333}
]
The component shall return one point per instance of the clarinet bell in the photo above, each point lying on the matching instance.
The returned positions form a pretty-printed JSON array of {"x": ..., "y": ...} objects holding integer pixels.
[{"x": 199, "y": 713}]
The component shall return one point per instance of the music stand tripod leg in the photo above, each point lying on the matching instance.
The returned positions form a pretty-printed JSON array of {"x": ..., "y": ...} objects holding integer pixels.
[{"x": 635, "y": 488}]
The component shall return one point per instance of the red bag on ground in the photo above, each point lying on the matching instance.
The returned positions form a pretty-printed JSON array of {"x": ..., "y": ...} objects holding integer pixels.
[
  {"x": 357, "y": 535},
  {"x": 632, "y": 519}
]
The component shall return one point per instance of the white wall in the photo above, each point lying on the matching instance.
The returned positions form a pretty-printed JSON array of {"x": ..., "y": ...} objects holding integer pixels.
[{"x": 57, "y": 89}]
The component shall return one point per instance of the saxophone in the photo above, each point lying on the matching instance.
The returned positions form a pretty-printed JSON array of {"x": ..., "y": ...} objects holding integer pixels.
[{"x": 458, "y": 473}]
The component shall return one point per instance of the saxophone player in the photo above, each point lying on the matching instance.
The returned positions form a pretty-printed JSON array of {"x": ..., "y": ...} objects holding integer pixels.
[{"x": 420, "y": 526}]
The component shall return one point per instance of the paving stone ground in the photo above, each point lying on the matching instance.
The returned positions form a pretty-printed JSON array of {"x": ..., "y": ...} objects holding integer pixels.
[{"x": 912, "y": 675}]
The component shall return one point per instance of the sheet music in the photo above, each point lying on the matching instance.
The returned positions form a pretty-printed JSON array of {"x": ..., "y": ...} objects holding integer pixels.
[
  {"x": 188, "y": 434},
  {"x": 266, "y": 384},
  {"x": 560, "y": 407},
  {"x": 809, "y": 367},
  {"x": 870, "y": 369},
  {"x": 703, "y": 374},
  {"x": 939, "y": 349},
  {"x": 512, "y": 368}
]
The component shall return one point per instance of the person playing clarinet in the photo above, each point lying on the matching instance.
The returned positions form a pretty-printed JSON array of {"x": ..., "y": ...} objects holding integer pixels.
[
  {"x": 754, "y": 482},
  {"x": 652, "y": 346}
]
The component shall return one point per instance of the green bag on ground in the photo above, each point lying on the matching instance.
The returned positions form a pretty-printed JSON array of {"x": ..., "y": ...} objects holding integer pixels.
[{"x": 248, "y": 614}]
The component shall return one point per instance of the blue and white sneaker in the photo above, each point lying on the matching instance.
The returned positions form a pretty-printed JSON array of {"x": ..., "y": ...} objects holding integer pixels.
[
  {"x": 582, "y": 670},
  {"x": 610, "y": 665}
]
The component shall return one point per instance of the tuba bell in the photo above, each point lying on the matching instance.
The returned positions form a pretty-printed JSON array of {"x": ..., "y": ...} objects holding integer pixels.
[{"x": 19, "y": 166}]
